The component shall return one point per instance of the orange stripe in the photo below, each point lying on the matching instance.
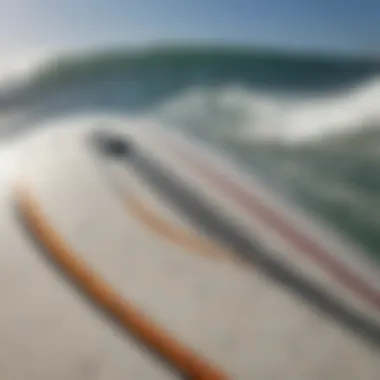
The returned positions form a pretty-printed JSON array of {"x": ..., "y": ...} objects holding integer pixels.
[
  {"x": 179, "y": 356},
  {"x": 177, "y": 235}
]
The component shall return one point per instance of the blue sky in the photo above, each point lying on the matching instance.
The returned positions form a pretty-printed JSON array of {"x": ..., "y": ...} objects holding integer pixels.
[{"x": 48, "y": 25}]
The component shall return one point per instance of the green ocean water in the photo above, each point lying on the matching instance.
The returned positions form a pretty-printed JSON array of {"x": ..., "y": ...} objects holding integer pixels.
[{"x": 307, "y": 124}]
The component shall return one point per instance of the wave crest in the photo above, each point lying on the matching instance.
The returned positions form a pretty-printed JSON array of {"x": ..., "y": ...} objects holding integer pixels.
[{"x": 247, "y": 116}]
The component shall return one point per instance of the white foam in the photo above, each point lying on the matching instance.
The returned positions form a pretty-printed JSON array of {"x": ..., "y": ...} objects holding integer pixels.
[
  {"x": 244, "y": 114},
  {"x": 17, "y": 70}
]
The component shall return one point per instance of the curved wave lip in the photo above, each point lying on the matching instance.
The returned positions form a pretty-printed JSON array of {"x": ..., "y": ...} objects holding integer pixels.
[{"x": 166, "y": 71}]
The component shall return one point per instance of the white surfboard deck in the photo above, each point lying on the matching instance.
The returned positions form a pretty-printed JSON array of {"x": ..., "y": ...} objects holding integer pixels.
[{"x": 234, "y": 316}]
